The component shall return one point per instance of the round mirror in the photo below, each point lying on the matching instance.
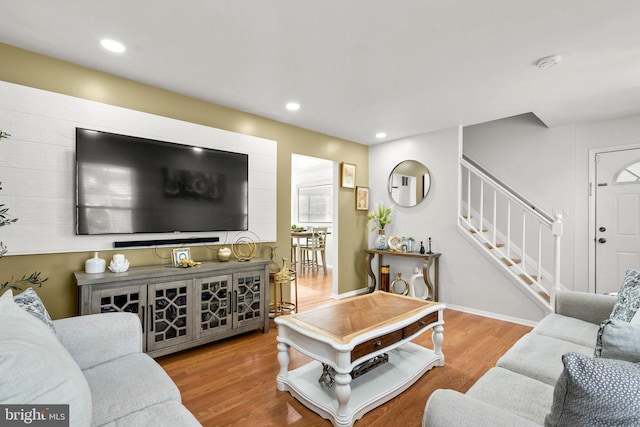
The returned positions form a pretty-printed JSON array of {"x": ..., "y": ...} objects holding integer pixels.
[{"x": 409, "y": 183}]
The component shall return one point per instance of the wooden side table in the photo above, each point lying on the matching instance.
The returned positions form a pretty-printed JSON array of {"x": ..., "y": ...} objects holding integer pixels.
[{"x": 429, "y": 261}]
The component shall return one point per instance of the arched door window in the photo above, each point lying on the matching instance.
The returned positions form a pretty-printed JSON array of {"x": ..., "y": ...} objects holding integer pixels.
[{"x": 629, "y": 175}]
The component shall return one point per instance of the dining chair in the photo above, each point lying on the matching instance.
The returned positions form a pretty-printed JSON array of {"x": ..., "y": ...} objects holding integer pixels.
[{"x": 314, "y": 251}]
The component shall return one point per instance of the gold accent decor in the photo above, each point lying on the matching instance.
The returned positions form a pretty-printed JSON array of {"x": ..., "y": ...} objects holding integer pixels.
[
  {"x": 244, "y": 247},
  {"x": 395, "y": 243}
]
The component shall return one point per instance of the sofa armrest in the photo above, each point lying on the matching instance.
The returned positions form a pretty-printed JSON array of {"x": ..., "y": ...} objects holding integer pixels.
[
  {"x": 592, "y": 308},
  {"x": 448, "y": 408},
  {"x": 98, "y": 338}
]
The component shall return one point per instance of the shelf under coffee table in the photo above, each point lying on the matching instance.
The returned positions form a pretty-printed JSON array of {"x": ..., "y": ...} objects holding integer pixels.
[{"x": 347, "y": 333}]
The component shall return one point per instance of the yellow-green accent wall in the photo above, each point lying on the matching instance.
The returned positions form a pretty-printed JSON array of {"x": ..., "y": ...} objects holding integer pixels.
[{"x": 59, "y": 292}]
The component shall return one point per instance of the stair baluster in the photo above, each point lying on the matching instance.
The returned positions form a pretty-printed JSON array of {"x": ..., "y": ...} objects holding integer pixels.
[{"x": 543, "y": 284}]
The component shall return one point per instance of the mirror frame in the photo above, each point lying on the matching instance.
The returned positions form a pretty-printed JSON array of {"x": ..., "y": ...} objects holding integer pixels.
[{"x": 414, "y": 171}]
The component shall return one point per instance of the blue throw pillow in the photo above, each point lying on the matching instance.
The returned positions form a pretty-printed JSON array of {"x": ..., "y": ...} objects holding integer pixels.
[
  {"x": 595, "y": 392},
  {"x": 628, "y": 297},
  {"x": 618, "y": 340}
]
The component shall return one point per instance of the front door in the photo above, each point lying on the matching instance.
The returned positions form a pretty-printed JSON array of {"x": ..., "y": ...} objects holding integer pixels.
[{"x": 617, "y": 234}]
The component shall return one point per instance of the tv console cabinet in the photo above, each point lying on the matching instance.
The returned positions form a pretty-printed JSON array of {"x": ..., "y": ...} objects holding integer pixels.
[{"x": 181, "y": 308}]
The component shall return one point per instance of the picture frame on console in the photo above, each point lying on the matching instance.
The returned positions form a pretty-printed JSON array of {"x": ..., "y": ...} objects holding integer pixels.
[
  {"x": 347, "y": 175},
  {"x": 179, "y": 255}
]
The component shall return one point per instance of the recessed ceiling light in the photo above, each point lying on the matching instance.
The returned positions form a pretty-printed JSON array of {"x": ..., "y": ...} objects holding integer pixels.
[
  {"x": 549, "y": 61},
  {"x": 293, "y": 106},
  {"x": 381, "y": 135},
  {"x": 112, "y": 45}
]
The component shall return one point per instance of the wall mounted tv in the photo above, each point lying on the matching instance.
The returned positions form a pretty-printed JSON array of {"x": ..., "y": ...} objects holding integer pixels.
[{"x": 127, "y": 185}]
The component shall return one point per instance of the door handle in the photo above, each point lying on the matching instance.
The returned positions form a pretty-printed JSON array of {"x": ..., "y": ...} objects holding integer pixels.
[
  {"x": 602, "y": 229},
  {"x": 602, "y": 240}
]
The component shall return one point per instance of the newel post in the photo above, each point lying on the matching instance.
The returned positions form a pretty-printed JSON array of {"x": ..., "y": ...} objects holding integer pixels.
[{"x": 556, "y": 230}]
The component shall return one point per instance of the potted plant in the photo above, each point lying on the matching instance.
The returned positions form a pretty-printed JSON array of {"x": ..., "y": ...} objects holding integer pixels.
[
  {"x": 15, "y": 284},
  {"x": 380, "y": 216}
]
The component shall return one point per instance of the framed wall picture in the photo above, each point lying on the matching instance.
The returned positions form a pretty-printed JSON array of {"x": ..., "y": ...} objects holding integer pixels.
[
  {"x": 362, "y": 198},
  {"x": 347, "y": 175},
  {"x": 179, "y": 255}
]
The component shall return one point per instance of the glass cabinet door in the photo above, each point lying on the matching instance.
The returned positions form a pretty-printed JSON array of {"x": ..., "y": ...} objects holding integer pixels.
[
  {"x": 170, "y": 314},
  {"x": 249, "y": 298},
  {"x": 213, "y": 305}
]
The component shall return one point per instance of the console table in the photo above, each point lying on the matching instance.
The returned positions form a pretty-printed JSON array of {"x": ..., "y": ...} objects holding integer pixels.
[
  {"x": 429, "y": 261},
  {"x": 346, "y": 334}
]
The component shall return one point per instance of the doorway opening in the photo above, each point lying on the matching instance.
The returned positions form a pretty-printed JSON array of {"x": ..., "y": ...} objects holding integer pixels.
[{"x": 314, "y": 204}]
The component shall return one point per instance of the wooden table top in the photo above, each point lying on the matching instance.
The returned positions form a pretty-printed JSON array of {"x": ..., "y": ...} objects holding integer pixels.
[
  {"x": 344, "y": 320},
  {"x": 405, "y": 254}
]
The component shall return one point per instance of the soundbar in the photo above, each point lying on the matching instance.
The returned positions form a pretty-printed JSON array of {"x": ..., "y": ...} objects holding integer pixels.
[{"x": 183, "y": 241}]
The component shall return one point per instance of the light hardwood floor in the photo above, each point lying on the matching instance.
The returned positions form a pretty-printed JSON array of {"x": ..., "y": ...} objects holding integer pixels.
[{"x": 233, "y": 382}]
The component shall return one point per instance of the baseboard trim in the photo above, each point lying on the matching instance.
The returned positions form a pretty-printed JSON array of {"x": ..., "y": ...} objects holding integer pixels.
[
  {"x": 350, "y": 294},
  {"x": 491, "y": 315}
]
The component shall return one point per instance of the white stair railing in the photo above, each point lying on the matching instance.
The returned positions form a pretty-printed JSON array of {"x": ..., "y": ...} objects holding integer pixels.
[{"x": 523, "y": 240}]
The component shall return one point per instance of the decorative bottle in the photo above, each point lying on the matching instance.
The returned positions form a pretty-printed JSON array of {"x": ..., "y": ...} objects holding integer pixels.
[
  {"x": 384, "y": 278},
  {"x": 422, "y": 248}
]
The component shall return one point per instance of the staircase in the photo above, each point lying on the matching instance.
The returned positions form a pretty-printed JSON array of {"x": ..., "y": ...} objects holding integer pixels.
[{"x": 520, "y": 239}]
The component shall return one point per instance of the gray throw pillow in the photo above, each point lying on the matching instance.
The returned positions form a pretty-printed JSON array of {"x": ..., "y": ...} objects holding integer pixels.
[
  {"x": 628, "y": 297},
  {"x": 595, "y": 392},
  {"x": 30, "y": 301},
  {"x": 618, "y": 340}
]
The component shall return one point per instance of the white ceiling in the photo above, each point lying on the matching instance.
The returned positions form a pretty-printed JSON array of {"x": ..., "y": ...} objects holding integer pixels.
[{"x": 358, "y": 67}]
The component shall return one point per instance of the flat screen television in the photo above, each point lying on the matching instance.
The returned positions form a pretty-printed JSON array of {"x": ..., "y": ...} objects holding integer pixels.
[{"x": 127, "y": 185}]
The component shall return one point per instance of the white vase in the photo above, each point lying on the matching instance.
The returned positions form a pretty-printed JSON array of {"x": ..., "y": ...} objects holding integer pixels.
[
  {"x": 417, "y": 287},
  {"x": 95, "y": 264},
  {"x": 381, "y": 241}
]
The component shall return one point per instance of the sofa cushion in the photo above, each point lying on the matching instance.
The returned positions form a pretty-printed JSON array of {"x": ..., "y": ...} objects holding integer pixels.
[
  {"x": 169, "y": 413},
  {"x": 567, "y": 329},
  {"x": 618, "y": 340},
  {"x": 539, "y": 357},
  {"x": 518, "y": 394},
  {"x": 628, "y": 297},
  {"x": 35, "y": 368},
  {"x": 126, "y": 385},
  {"x": 596, "y": 392},
  {"x": 30, "y": 301},
  {"x": 450, "y": 408},
  {"x": 93, "y": 339}
]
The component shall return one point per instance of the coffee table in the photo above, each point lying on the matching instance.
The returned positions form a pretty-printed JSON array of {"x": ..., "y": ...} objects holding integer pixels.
[{"x": 345, "y": 334}]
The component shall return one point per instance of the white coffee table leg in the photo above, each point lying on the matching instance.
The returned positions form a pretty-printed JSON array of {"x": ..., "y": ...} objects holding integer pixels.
[
  {"x": 283, "y": 360},
  {"x": 343, "y": 394},
  {"x": 437, "y": 337}
]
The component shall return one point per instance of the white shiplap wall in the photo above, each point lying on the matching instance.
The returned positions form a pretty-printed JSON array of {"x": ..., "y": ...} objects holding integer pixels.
[{"x": 37, "y": 167}]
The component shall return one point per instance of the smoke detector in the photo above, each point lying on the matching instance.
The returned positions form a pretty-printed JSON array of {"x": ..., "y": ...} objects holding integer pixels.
[{"x": 549, "y": 61}]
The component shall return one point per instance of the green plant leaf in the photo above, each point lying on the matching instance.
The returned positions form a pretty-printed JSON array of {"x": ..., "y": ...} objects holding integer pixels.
[{"x": 33, "y": 279}]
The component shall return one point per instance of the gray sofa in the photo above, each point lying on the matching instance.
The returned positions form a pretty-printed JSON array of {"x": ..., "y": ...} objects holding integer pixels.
[
  {"x": 92, "y": 363},
  {"x": 519, "y": 390}
]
